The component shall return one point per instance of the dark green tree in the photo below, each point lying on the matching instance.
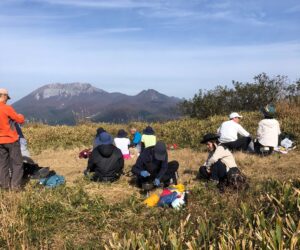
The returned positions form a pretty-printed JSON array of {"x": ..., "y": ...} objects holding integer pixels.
[{"x": 242, "y": 97}]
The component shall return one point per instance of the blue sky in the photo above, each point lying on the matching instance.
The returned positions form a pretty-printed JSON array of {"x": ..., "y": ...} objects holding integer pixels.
[{"x": 173, "y": 46}]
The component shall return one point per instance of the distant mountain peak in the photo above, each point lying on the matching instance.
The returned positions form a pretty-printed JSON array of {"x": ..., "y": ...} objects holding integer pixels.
[
  {"x": 151, "y": 94},
  {"x": 59, "y": 103},
  {"x": 65, "y": 90}
]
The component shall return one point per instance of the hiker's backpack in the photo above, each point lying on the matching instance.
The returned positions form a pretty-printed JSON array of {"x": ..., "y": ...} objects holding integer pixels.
[
  {"x": 237, "y": 180},
  {"x": 85, "y": 154},
  {"x": 52, "y": 181}
]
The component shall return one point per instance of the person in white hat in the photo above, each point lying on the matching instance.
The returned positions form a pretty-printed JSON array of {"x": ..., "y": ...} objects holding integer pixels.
[
  {"x": 233, "y": 135},
  {"x": 10, "y": 151}
]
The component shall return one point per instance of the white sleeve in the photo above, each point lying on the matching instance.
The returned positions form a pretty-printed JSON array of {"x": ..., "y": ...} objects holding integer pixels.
[
  {"x": 242, "y": 131},
  {"x": 218, "y": 130},
  {"x": 259, "y": 130},
  {"x": 279, "y": 131}
]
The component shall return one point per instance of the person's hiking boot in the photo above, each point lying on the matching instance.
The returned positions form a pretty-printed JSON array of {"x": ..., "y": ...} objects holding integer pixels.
[{"x": 147, "y": 187}]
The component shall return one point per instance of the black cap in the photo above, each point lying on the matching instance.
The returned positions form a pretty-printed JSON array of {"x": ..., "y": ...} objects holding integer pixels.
[
  {"x": 210, "y": 137},
  {"x": 160, "y": 151},
  {"x": 148, "y": 131},
  {"x": 122, "y": 133}
]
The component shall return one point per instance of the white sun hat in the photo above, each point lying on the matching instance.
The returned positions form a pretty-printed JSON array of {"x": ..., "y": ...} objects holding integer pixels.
[{"x": 234, "y": 115}]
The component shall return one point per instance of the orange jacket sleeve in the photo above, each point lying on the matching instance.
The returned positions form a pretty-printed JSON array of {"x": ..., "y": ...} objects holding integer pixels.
[{"x": 13, "y": 115}]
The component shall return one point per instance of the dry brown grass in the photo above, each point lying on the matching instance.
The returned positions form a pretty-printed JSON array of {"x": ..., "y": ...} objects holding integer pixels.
[
  {"x": 87, "y": 215},
  {"x": 67, "y": 163}
]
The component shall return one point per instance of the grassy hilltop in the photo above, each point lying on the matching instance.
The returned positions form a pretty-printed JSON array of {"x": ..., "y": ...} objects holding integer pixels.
[
  {"x": 186, "y": 132},
  {"x": 85, "y": 215}
]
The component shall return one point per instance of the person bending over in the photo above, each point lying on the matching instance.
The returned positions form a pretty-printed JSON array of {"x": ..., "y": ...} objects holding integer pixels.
[{"x": 152, "y": 166}]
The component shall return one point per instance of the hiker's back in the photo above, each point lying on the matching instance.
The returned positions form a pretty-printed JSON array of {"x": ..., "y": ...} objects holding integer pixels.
[
  {"x": 268, "y": 132},
  {"x": 106, "y": 161}
]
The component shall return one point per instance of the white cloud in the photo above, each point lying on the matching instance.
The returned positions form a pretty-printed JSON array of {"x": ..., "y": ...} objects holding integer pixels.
[
  {"x": 158, "y": 66},
  {"x": 37, "y": 50},
  {"x": 105, "y": 4},
  {"x": 212, "y": 14},
  {"x": 107, "y": 31}
]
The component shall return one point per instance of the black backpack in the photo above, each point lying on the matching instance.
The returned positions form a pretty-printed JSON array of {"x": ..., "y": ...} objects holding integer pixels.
[{"x": 236, "y": 179}]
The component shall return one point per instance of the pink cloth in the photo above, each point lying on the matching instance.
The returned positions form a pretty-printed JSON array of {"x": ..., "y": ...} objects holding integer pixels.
[
  {"x": 166, "y": 192},
  {"x": 127, "y": 157}
]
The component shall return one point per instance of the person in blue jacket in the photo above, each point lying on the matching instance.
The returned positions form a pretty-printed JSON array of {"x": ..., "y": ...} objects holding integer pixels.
[
  {"x": 152, "y": 166},
  {"x": 136, "y": 141}
]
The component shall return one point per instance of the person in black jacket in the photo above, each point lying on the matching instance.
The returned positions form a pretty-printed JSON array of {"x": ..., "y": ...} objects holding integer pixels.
[
  {"x": 152, "y": 166},
  {"x": 106, "y": 160}
]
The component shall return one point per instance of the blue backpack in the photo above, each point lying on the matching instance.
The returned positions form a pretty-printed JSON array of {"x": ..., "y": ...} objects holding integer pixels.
[{"x": 52, "y": 181}]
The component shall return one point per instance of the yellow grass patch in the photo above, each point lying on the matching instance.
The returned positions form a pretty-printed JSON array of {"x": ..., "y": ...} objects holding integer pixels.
[{"x": 256, "y": 168}]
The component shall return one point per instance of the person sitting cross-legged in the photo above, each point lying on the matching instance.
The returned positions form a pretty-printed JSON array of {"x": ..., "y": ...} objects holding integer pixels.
[
  {"x": 106, "y": 160},
  {"x": 148, "y": 138},
  {"x": 136, "y": 141},
  {"x": 152, "y": 166},
  {"x": 233, "y": 135},
  {"x": 96, "y": 141},
  {"x": 122, "y": 143}
]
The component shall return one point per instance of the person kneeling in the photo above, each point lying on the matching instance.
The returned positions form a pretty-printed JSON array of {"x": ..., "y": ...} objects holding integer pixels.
[
  {"x": 220, "y": 165},
  {"x": 106, "y": 160},
  {"x": 152, "y": 166}
]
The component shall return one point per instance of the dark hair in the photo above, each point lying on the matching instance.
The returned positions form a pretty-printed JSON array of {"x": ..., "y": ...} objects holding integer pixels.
[
  {"x": 268, "y": 116},
  {"x": 100, "y": 131}
]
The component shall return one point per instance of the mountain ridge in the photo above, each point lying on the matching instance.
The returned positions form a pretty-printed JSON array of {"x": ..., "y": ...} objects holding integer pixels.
[{"x": 66, "y": 103}]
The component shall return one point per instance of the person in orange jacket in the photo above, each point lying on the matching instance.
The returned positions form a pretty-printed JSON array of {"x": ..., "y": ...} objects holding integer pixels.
[{"x": 10, "y": 152}]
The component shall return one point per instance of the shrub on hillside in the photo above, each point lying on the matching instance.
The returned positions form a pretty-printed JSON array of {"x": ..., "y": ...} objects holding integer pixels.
[
  {"x": 242, "y": 97},
  {"x": 185, "y": 132}
]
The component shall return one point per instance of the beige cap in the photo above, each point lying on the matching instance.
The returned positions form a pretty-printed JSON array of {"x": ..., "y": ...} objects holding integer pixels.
[{"x": 4, "y": 92}]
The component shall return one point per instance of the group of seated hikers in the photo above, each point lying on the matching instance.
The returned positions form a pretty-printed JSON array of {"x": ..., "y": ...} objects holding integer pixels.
[
  {"x": 152, "y": 166},
  {"x": 106, "y": 160},
  {"x": 233, "y": 136}
]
